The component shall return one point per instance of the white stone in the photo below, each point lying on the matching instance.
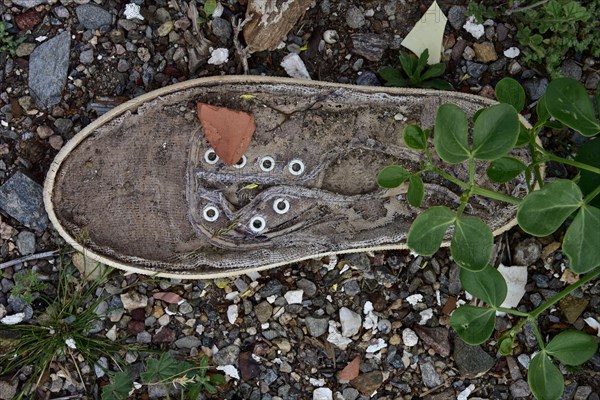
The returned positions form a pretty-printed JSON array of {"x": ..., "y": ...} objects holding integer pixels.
[
  {"x": 133, "y": 300},
  {"x": 476, "y": 30},
  {"x": 414, "y": 299},
  {"x": 322, "y": 394},
  {"x": 464, "y": 395},
  {"x": 512, "y": 52},
  {"x": 316, "y": 382},
  {"x": 294, "y": 66},
  {"x": 426, "y": 315},
  {"x": 230, "y": 371},
  {"x": 378, "y": 345},
  {"x": 516, "y": 279},
  {"x": 132, "y": 11},
  {"x": 294, "y": 296},
  {"x": 218, "y": 56},
  {"x": 524, "y": 360},
  {"x": 351, "y": 322},
  {"x": 13, "y": 319},
  {"x": 409, "y": 337},
  {"x": 335, "y": 338},
  {"x": 100, "y": 366},
  {"x": 232, "y": 313},
  {"x": 111, "y": 334},
  {"x": 593, "y": 323},
  {"x": 70, "y": 342},
  {"x": 218, "y": 11},
  {"x": 330, "y": 36},
  {"x": 370, "y": 318}
]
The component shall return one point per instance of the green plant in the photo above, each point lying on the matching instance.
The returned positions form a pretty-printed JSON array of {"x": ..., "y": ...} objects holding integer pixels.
[
  {"x": 7, "y": 43},
  {"x": 496, "y": 130},
  {"x": 27, "y": 283},
  {"x": 415, "y": 74},
  {"x": 59, "y": 332},
  {"x": 207, "y": 11},
  {"x": 164, "y": 371}
]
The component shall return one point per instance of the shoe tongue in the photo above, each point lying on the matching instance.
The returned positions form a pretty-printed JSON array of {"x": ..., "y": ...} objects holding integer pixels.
[{"x": 228, "y": 131}]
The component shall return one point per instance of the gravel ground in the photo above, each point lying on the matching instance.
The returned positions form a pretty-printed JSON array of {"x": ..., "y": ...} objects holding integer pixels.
[{"x": 290, "y": 332}]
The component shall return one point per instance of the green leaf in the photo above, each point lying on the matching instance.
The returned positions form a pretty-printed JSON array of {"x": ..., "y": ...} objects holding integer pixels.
[
  {"x": 209, "y": 7},
  {"x": 477, "y": 114},
  {"x": 438, "y": 84},
  {"x": 409, "y": 64},
  {"x": 544, "y": 378},
  {"x": 488, "y": 285},
  {"x": 119, "y": 387},
  {"x": 505, "y": 169},
  {"x": 416, "y": 191},
  {"x": 505, "y": 345},
  {"x": 451, "y": 131},
  {"x": 217, "y": 379},
  {"x": 542, "y": 212},
  {"x": 511, "y": 92},
  {"x": 473, "y": 324},
  {"x": 422, "y": 63},
  {"x": 434, "y": 71},
  {"x": 568, "y": 101},
  {"x": 392, "y": 77},
  {"x": 541, "y": 109},
  {"x": 428, "y": 229},
  {"x": 414, "y": 137},
  {"x": 495, "y": 132},
  {"x": 572, "y": 347},
  {"x": 472, "y": 243},
  {"x": 581, "y": 243},
  {"x": 163, "y": 368},
  {"x": 392, "y": 176},
  {"x": 598, "y": 97},
  {"x": 588, "y": 181}
]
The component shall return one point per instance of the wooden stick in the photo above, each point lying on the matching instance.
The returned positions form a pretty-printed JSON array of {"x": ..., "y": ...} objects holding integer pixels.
[{"x": 38, "y": 256}]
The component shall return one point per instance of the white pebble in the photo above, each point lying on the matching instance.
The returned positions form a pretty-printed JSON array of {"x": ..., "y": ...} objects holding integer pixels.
[
  {"x": 294, "y": 296},
  {"x": 409, "y": 337},
  {"x": 322, "y": 394},
  {"x": 378, "y": 345},
  {"x": 13, "y": 319},
  {"x": 330, "y": 36},
  {"x": 512, "y": 52},
  {"x": 464, "y": 395},
  {"x": 426, "y": 315},
  {"x": 414, "y": 299},
  {"x": 232, "y": 313},
  {"x": 230, "y": 371},
  {"x": 476, "y": 30},
  {"x": 218, "y": 56},
  {"x": 294, "y": 66},
  {"x": 132, "y": 11}
]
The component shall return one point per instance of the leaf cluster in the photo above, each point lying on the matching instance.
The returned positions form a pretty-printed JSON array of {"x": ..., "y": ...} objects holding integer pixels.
[
  {"x": 166, "y": 370},
  {"x": 27, "y": 284},
  {"x": 207, "y": 11},
  {"x": 8, "y": 44},
  {"x": 414, "y": 72}
]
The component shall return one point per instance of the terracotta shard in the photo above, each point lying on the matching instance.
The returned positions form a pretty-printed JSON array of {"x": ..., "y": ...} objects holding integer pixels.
[
  {"x": 350, "y": 371},
  {"x": 228, "y": 131}
]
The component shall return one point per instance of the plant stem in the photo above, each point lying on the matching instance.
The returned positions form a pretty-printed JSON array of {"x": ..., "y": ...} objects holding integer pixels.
[
  {"x": 513, "y": 312},
  {"x": 529, "y": 7},
  {"x": 538, "y": 334},
  {"x": 586, "y": 167},
  {"x": 590, "y": 196}
]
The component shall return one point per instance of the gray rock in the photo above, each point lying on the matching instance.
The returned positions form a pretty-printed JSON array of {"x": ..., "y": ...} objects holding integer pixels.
[
  {"x": 29, "y": 3},
  {"x": 272, "y": 288},
  {"x": 520, "y": 388},
  {"x": 222, "y": 29},
  {"x": 535, "y": 88},
  {"x": 355, "y": 18},
  {"x": 63, "y": 125},
  {"x": 571, "y": 69},
  {"x": 309, "y": 288},
  {"x": 263, "y": 311},
  {"x": 227, "y": 355},
  {"x": 144, "y": 337},
  {"x": 350, "y": 394},
  {"x": 352, "y": 288},
  {"x": 501, "y": 32},
  {"x": 21, "y": 198},
  {"x": 8, "y": 389},
  {"x": 92, "y": 16},
  {"x": 471, "y": 360},
  {"x": 17, "y": 304},
  {"x": 430, "y": 376},
  {"x": 316, "y": 326},
  {"x": 133, "y": 300},
  {"x": 351, "y": 322},
  {"x": 369, "y": 45},
  {"x": 475, "y": 70},
  {"x": 582, "y": 392},
  {"x": 457, "y": 16},
  {"x": 569, "y": 391},
  {"x": 359, "y": 261},
  {"x": 26, "y": 243},
  {"x": 123, "y": 65},
  {"x": 86, "y": 57},
  {"x": 188, "y": 342},
  {"x": 48, "y": 66},
  {"x": 368, "y": 78},
  {"x": 527, "y": 252}
]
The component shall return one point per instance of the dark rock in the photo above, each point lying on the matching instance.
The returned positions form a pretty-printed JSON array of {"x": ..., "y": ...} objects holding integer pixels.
[
  {"x": 48, "y": 66},
  {"x": 263, "y": 311},
  {"x": 571, "y": 69},
  {"x": 135, "y": 327},
  {"x": 26, "y": 243},
  {"x": 29, "y": 3},
  {"x": 63, "y": 125},
  {"x": 273, "y": 287},
  {"x": 310, "y": 289},
  {"x": 501, "y": 32},
  {"x": 430, "y": 376},
  {"x": 352, "y": 288},
  {"x": 8, "y": 388},
  {"x": 367, "y": 383},
  {"x": 535, "y": 88},
  {"x": 92, "y": 16},
  {"x": 569, "y": 391},
  {"x": 458, "y": 49},
  {"x": 368, "y": 78},
  {"x": 582, "y": 392},
  {"x": 28, "y": 19},
  {"x": 222, "y": 29},
  {"x": 436, "y": 338},
  {"x": 475, "y": 70},
  {"x": 249, "y": 368},
  {"x": 188, "y": 342},
  {"x": 520, "y": 388},
  {"x": 457, "y": 16},
  {"x": 471, "y": 360},
  {"x": 316, "y": 326},
  {"x": 527, "y": 252},
  {"x": 164, "y": 335},
  {"x": 227, "y": 355},
  {"x": 369, "y": 45},
  {"x": 21, "y": 198},
  {"x": 86, "y": 57}
]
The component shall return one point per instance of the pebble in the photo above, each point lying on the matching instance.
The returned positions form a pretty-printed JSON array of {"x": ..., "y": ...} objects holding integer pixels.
[
  {"x": 514, "y": 68},
  {"x": 25, "y": 49},
  {"x": 476, "y": 30},
  {"x": 26, "y": 243},
  {"x": 430, "y": 376},
  {"x": 368, "y": 78},
  {"x": 8, "y": 389},
  {"x": 222, "y": 29},
  {"x": 471, "y": 360},
  {"x": 571, "y": 69},
  {"x": 512, "y": 52},
  {"x": 475, "y": 70},
  {"x": 272, "y": 288},
  {"x": 369, "y": 45},
  {"x": 92, "y": 16},
  {"x": 409, "y": 337},
  {"x": 350, "y": 394},
  {"x": 48, "y": 66},
  {"x": 535, "y": 88},
  {"x": 294, "y": 66},
  {"x": 227, "y": 355},
  {"x": 294, "y": 296},
  {"x": 188, "y": 342},
  {"x": 351, "y": 322},
  {"x": 133, "y": 300},
  {"x": 527, "y": 252},
  {"x": 309, "y": 288},
  {"x": 263, "y": 311},
  {"x": 317, "y": 326},
  {"x": 123, "y": 65},
  {"x": 21, "y": 198},
  {"x": 468, "y": 53},
  {"x": 322, "y": 394},
  {"x": 485, "y": 52},
  {"x": 86, "y": 57},
  {"x": 355, "y": 18},
  {"x": 457, "y": 16},
  {"x": 582, "y": 392},
  {"x": 56, "y": 142},
  {"x": 368, "y": 383}
]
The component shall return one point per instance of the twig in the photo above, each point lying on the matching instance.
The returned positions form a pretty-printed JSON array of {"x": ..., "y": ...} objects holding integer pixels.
[
  {"x": 38, "y": 256},
  {"x": 529, "y": 7},
  {"x": 241, "y": 52}
]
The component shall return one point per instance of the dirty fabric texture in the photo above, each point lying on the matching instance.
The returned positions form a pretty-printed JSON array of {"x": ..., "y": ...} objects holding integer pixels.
[{"x": 147, "y": 189}]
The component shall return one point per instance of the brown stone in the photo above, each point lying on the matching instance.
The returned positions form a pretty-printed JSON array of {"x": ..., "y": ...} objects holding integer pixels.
[
  {"x": 368, "y": 383},
  {"x": 436, "y": 338},
  {"x": 485, "y": 52},
  {"x": 28, "y": 19},
  {"x": 572, "y": 307},
  {"x": 228, "y": 131},
  {"x": 350, "y": 371},
  {"x": 249, "y": 368},
  {"x": 269, "y": 21},
  {"x": 164, "y": 335}
]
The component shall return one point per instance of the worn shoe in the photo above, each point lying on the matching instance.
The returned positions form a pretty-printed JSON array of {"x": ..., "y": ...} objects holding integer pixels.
[{"x": 142, "y": 189}]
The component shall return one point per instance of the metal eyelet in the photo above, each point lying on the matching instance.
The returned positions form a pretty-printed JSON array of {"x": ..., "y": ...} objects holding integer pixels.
[
  {"x": 281, "y": 206},
  {"x": 210, "y": 213},
  {"x": 257, "y": 224},
  {"x": 241, "y": 163},
  {"x": 211, "y": 157},
  {"x": 266, "y": 163},
  {"x": 296, "y": 167}
]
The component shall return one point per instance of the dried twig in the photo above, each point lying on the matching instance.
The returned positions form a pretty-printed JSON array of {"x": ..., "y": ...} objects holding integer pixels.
[
  {"x": 38, "y": 256},
  {"x": 241, "y": 51}
]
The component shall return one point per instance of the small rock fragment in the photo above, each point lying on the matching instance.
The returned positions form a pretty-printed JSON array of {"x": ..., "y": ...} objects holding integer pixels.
[
  {"x": 133, "y": 300},
  {"x": 294, "y": 296},
  {"x": 355, "y": 18},
  {"x": 316, "y": 326},
  {"x": 92, "y": 16},
  {"x": 516, "y": 279},
  {"x": 322, "y": 394},
  {"x": 48, "y": 66},
  {"x": 512, "y": 52},
  {"x": 368, "y": 383},
  {"x": 249, "y": 368},
  {"x": 409, "y": 337},
  {"x": 132, "y": 11},
  {"x": 26, "y": 243},
  {"x": 485, "y": 52},
  {"x": 430, "y": 376},
  {"x": 351, "y": 322},
  {"x": 369, "y": 45},
  {"x": 294, "y": 66},
  {"x": 350, "y": 371},
  {"x": 21, "y": 198},
  {"x": 227, "y": 355},
  {"x": 232, "y": 313},
  {"x": 471, "y": 360},
  {"x": 229, "y": 370},
  {"x": 476, "y": 30}
]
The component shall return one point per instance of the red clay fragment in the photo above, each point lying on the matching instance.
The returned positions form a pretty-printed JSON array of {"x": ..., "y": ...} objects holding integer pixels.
[
  {"x": 350, "y": 371},
  {"x": 228, "y": 131}
]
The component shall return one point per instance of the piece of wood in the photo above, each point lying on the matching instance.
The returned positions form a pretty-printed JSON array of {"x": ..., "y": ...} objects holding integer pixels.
[{"x": 228, "y": 131}]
